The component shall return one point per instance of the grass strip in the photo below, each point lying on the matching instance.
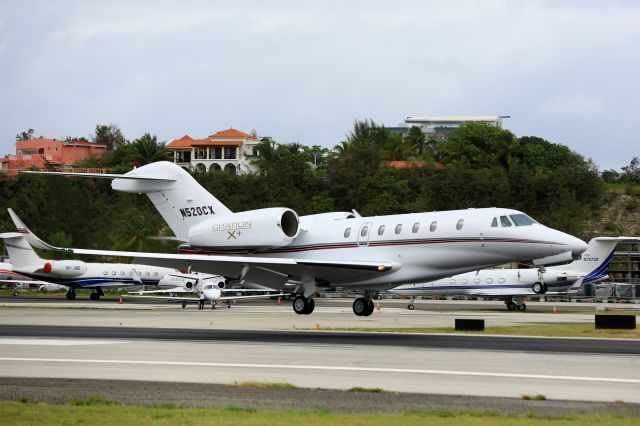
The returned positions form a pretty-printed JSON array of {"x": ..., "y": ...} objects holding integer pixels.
[{"x": 29, "y": 413}]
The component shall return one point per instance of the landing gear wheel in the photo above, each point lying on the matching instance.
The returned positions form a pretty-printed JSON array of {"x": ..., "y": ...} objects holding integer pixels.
[
  {"x": 71, "y": 295},
  {"x": 94, "y": 296},
  {"x": 310, "y": 306},
  {"x": 15, "y": 293},
  {"x": 370, "y": 308},
  {"x": 300, "y": 305},
  {"x": 360, "y": 306},
  {"x": 511, "y": 305},
  {"x": 522, "y": 307},
  {"x": 546, "y": 287},
  {"x": 411, "y": 307},
  {"x": 538, "y": 288},
  {"x": 184, "y": 304}
]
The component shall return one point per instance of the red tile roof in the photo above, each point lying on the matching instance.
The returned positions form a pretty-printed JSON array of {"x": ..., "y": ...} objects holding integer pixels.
[
  {"x": 183, "y": 142},
  {"x": 231, "y": 134}
]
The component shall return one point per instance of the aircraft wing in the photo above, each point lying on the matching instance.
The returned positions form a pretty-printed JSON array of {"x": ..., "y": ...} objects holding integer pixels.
[
  {"x": 166, "y": 290},
  {"x": 223, "y": 298}
]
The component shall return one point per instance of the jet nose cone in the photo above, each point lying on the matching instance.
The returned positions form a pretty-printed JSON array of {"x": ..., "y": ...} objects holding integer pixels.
[{"x": 576, "y": 245}]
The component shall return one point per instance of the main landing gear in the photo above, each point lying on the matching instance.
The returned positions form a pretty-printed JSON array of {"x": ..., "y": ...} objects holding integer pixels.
[
  {"x": 96, "y": 295},
  {"x": 363, "y": 307},
  {"x": 516, "y": 304},
  {"x": 303, "y": 305},
  {"x": 71, "y": 295},
  {"x": 411, "y": 306}
]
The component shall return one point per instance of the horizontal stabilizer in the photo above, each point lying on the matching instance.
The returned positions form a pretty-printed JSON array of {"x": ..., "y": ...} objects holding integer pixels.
[{"x": 100, "y": 175}]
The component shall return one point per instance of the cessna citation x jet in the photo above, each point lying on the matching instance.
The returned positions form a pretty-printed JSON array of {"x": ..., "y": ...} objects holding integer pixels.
[
  {"x": 275, "y": 246},
  {"x": 77, "y": 274},
  {"x": 515, "y": 284}
]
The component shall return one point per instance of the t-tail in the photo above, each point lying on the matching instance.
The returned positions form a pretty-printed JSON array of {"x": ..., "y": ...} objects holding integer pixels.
[
  {"x": 22, "y": 255},
  {"x": 594, "y": 262},
  {"x": 180, "y": 200}
]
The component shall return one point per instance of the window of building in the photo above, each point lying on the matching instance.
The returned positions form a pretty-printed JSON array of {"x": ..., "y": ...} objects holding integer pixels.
[
  {"x": 201, "y": 168},
  {"x": 433, "y": 226},
  {"x": 381, "y": 230},
  {"x": 216, "y": 152},
  {"x": 364, "y": 231},
  {"x": 416, "y": 227},
  {"x": 398, "y": 228},
  {"x": 215, "y": 167},
  {"x": 183, "y": 156},
  {"x": 494, "y": 222},
  {"x": 230, "y": 168},
  {"x": 347, "y": 232},
  {"x": 230, "y": 152},
  {"x": 200, "y": 153},
  {"x": 40, "y": 150},
  {"x": 460, "y": 224},
  {"x": 504, "y": 221}
]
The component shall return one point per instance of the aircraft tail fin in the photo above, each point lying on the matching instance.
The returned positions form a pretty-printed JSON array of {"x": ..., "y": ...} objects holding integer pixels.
[
  {"x": 22, "y": 255},
  {"x": 594, "y": 262},
  {"x": 180, "y": 200}
]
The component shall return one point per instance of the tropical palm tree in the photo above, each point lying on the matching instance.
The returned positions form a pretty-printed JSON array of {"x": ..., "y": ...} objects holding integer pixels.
[{"x": 147, "y": 150}]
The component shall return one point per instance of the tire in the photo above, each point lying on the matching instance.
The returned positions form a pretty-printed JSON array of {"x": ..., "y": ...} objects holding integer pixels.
[
  {"x": 522, "y": 307},
  {"x": 94, "y": 296},
  {"x": 310, "y": 306},
  {"x": 370, "y": 308},
  {"x": 360, "y": 306},
  {"x": 71, "y": 295},
  {"x": 546, "y": 287},
  {"x": 511, "y": 305},
  {"x": 300, "y": 305},
  {"x": 184, "y": 304},
  {"x": 538, "y": 288},
  {"x": 411, "y": 307}
]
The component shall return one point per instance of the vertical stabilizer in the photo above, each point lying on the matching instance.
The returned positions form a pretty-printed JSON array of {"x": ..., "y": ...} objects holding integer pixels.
[
  {"x": 594, "y": 262},
  {"x": 22, "y": 256},
  {"x": 179, "y": 199}
]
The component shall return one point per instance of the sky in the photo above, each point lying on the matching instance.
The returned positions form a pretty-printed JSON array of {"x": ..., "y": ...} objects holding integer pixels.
[{"x": 303, "y": 71}]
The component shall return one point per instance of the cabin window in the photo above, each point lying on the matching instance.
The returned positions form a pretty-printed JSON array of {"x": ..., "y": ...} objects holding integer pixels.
[
  {"x": 130, "y": 273},
  {"x": 416, "y": 227},
  {"x": 504, "y": 221},
  {"x": 501, "y": 280},
  {"x": 398, "y": 228},
  {"x": 113, "y": 272},
  {"x": 381, "y": 230},
  {"x": 522, "y": 219},
  {"x": 452, "y": 281},
  {"x": 155, "y": 274},
  {"x": 122, "y": 273},
  {"x": 347, "y": 232},
  {"x": 146, "y": 273},
  {"x": 489, "y": 280},
  {"x": 105, "y": 272},
  {"x": 477, "y": 281},
  {"x": 460, "y": 224},
  {"x": 465, "y": 281},
  {"x": 494, "y": 222},
  {"x": 433, "y": 226},
  {"x": 364, "y": 231}
]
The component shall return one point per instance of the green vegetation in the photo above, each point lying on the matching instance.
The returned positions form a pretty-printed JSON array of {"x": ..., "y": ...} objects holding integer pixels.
[
  {"x": 358, "y": 389},
  {"x": 263, "y": 385},
  {"x": 538, "y": 397},
  {"x": 18, "y": 413},
  {"x": 542, "y": 329}
]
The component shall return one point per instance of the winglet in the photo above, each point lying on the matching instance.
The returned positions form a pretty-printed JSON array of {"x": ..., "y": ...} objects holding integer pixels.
[{"x": 30, "y": 236}]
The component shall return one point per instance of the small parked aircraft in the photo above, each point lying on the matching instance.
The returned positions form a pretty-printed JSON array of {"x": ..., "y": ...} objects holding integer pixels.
[{"x": 515, "y": 284}]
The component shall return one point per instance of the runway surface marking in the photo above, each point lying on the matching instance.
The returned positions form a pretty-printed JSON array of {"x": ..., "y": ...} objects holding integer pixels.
[
  {"x": 328, "y": 368},
  {"x": 55, "y": 342}
]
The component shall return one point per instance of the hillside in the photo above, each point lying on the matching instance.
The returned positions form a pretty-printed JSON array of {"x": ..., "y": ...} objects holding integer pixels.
[{"x": 619, "y": 214}]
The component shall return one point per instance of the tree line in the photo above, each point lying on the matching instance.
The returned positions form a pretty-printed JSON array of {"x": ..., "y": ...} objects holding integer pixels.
[{"x": 478, "y": 165}]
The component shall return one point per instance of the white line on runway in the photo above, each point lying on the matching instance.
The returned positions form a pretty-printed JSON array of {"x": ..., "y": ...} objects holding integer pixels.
[
  {"x": 55, "y": 342},
  {"x": 328, "y": 368}
]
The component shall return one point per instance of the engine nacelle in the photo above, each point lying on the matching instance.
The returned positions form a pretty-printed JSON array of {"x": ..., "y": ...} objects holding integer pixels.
[
  {"x": 189, "y": 282},
  {"x": 254, "y": 229},
  {"x": 65, "y": 268}
]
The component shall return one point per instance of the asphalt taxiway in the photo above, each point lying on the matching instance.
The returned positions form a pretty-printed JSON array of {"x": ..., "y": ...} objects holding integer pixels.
[{"x": 264, "y": 343}]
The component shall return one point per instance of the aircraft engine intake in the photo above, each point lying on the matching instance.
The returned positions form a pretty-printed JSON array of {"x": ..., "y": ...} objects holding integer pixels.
[
  {"x": 65, "y": 268},
  {"x": 254, "y": 229}
]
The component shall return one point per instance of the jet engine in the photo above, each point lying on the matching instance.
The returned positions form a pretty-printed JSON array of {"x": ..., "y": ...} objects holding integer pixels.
[
  {"x": 254, "y": 229},
  {"x": 65, "y": 268}
]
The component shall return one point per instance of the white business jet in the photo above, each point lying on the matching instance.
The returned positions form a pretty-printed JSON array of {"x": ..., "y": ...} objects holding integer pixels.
[
  {"x": 273, "y": 246},
  {"x": 515, "y": 284},
  {"x": 211, "y": 286},
  {"x": 75, "y": 274}
]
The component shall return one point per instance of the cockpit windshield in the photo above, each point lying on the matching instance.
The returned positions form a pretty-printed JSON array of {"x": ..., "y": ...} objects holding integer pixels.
[
  {"x": 522, "y": 219},
  {"x": 208, "y": 287}
]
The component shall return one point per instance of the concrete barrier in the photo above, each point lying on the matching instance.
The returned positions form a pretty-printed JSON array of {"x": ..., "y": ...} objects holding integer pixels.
[
  {"x": 627, "y": 322},
  {"x": 469, "y": 324}
]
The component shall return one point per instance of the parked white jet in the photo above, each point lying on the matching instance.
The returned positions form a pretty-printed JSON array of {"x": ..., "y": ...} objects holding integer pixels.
[
  {"x": 515, "y": 284},
  {"x": 272, "y": 246},
  {"x": 212, "y": 286},
  {"x": 77, "y": 274}
]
